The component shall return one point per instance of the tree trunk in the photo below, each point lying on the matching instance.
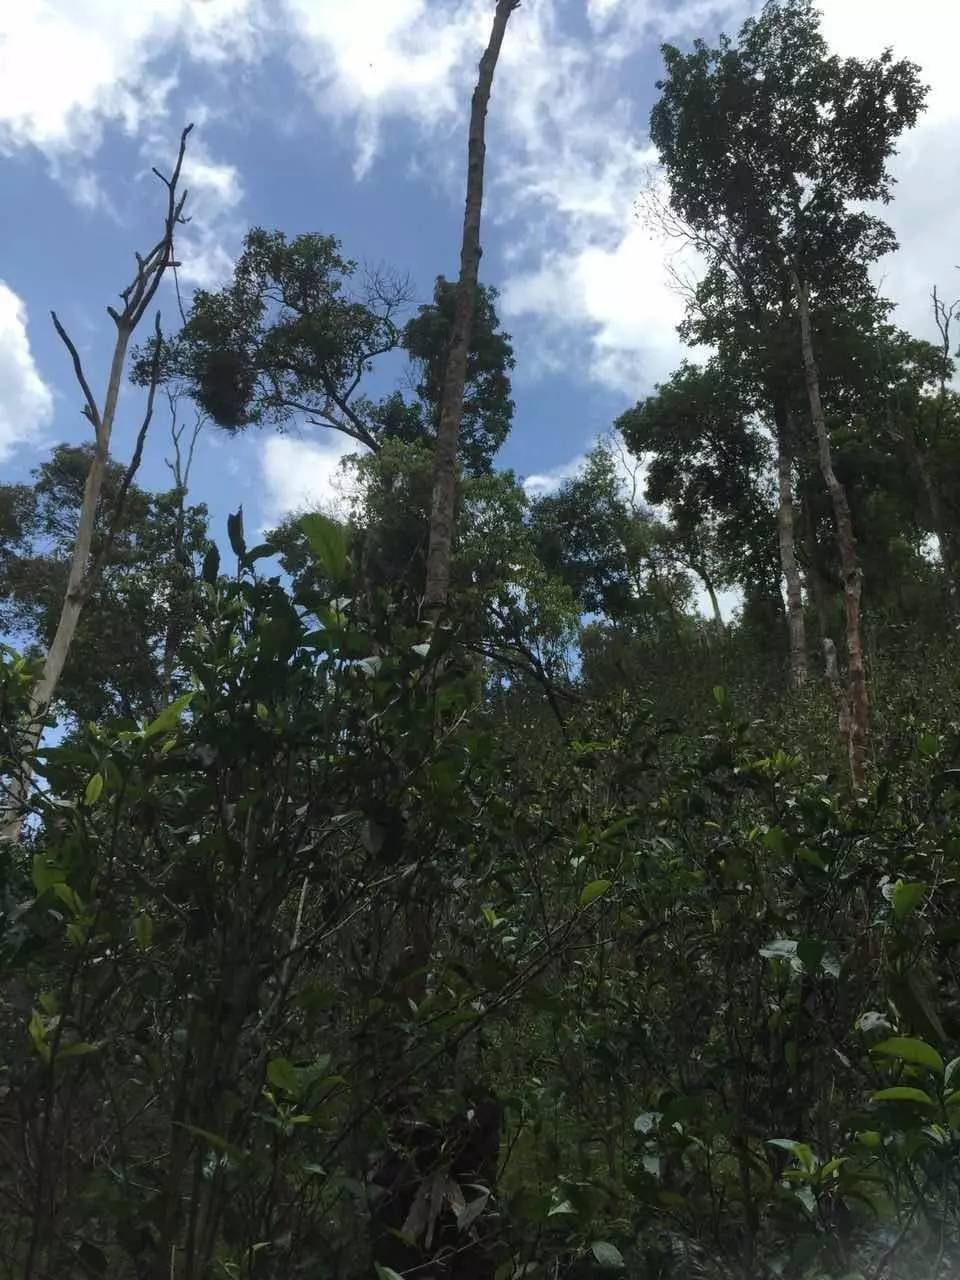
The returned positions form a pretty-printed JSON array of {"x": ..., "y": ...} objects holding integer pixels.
[
  {"x": 451, "y": 399},
  {"x": 137, "y": 297},
  {"x": 73, "y": 598},
  {"x": 711, "y": 591},
  {"x": 857, "y": 702},
  {"x": 788, "y": 553}
]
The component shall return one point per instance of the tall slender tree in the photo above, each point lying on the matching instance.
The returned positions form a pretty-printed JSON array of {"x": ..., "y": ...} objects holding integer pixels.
[
  {"x": 771, "y": 146},
  {"x": 451, "y": 399}
]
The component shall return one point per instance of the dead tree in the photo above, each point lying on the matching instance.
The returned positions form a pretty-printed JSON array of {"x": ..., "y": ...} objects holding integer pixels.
[
  {"x": 451, "y": 400},
  {"x": 83, "y": 573}
]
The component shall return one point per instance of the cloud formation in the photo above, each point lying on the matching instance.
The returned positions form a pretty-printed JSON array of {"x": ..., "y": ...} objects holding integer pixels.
[
  {"x": 304, "y": 475},
  {"x": 568, "y": 152},
  {"x": 26, "y": 402}
]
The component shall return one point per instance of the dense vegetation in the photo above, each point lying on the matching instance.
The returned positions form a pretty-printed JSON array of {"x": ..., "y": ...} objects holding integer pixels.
[{"x": 557, "y": 928}]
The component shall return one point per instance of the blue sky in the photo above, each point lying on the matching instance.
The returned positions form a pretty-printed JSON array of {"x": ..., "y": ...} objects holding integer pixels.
[{"x": 348, "y": 117}]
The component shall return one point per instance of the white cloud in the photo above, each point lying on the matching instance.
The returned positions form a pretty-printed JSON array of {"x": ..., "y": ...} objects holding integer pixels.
[
  {"x": 26, "y": 402},
  {"x": 304, "y": 475},
  {"x": 215, "y": 193},
  {"x": 376, "y": 58},
  {"x": 546, "y": 482},
  {"x": 66, "y": 68},
  {"x": 925, "y": 213},
  {"x": 568, "y": 147}
]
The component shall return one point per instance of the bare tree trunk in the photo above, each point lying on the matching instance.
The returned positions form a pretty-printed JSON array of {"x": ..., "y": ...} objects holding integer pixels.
[
  {"x": 82, "y": 575},
  {"x": 788, "y": 552},
  {"x": 857, "y": 728},
  {"x": 451, "y": 399},
  {"x": 711, "y": 591}
]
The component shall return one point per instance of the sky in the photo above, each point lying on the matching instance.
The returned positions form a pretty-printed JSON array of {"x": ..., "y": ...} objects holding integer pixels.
[{"x": 348, "y": 117}]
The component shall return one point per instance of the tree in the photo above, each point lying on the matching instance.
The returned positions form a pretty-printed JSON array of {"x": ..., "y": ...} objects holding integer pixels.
[
  {"x": 150, "y": 546},
  {"x": 455, "y": 372},
  {"x": 767, "y": 146},
  {"x": 709, "y": 465},
  {"x": 286, "y": 337},
  {"x": 487, "y": 407},
  {"x": 82, "y": 577}
]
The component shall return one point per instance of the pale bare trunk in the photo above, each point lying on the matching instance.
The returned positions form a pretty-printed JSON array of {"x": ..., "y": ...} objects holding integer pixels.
[
  {"x": 82, "y": 575},
  {"x": 711, "y": 591},
  {"x": 451, "y": 400},
  {"x": 857, "y": 727},
  {"x": 788, "y": 553},
  {"x": 74, "y": 594}
]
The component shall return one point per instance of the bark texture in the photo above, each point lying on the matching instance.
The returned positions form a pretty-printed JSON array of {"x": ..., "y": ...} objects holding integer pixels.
[
  {"x": 451, "y": 400},
  {"x": 857, "y": 717}
]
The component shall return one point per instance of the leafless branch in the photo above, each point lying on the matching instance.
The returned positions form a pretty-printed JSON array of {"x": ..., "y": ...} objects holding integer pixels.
[
  {"x": 133, "y": 467},
  {"x": 90, "y": 410}
]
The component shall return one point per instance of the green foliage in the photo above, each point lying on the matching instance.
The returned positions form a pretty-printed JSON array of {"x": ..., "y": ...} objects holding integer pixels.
[
  {"x": 124, "y": 657},
  {"x": 547, "y": 942}
]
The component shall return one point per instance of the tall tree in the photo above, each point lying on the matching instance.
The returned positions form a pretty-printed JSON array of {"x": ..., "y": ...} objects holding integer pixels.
[
  {"x": 771, "y": 146},
  {"x": 292, "y": 334},
  {"x": 128, "y": 642},
  {"x": 84, "y": 571},
  {"x": 455, "y": 374},
  {"x": 487, "y": 405}
]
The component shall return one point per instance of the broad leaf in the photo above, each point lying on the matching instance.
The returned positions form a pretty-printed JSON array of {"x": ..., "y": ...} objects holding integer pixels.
[
  {"x": 235, "y": 534},
  {"x": 169, "y": 717},
  {"x": 596, "y": 889},
  {"x": 93, "y": 790},
  {"x": 911, "y": 1050},
  {"x": 327, "y": 541},
  {"x": 903, "y": 1093},
  {"x": 906, "y": 897},
  {"x": 607, "y": 1255}
]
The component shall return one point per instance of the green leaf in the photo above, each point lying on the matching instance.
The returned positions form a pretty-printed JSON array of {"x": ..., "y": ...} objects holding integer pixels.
[
  {"x": 211, "y": 565},
  {"x": 913, "y": 1002},
  {"x": 952, "y": 1066},
  {"x": 259, "y": 552},
  {"x": 143, "y": 931},
  {"x": 903, "y": 1093},
  {"x": 800, "y": 1151},
  {"x": 45, "y": 874},
  {"x": 78, "y": 1050},
  {"x": 214, "y": 1140},
  {"x": 811, "y": 856},
  {"x": 776, "y": 840},
  {"x": 93, "y": 791},
  {"x": 906, "y": 898},
  {"x": 282, "y": 1074},
  {"x": 870, "y": 1139},
  {"x": 607, "y": 1255},
  {"x": 594, "y": 890},
  {"x": 928, "y": 744},
  {"x": 327, "y": 541},
  {"x": 169, "y": 717},
  {"x": 38, "y": 1034},
  {"x": 235, "y": 534},
  {"x": 386, "y": 1273},
  {"x": 910, "y": 1050}
]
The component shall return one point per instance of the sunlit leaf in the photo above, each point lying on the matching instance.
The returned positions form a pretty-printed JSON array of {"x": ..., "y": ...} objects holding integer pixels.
[{"x": 596, "y": 889}]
